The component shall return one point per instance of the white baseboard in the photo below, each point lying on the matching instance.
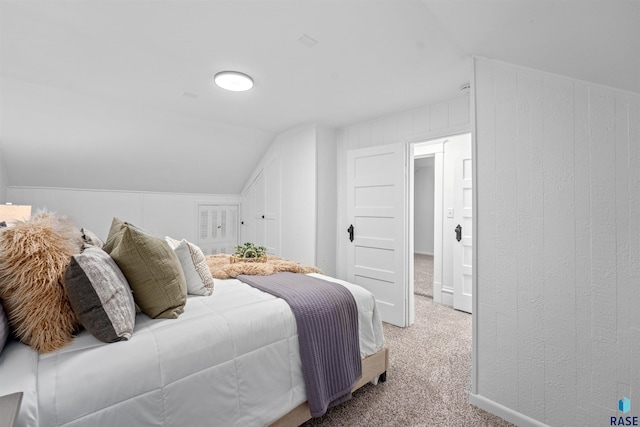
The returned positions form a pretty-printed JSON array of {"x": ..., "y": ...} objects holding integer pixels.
[
  {"x": 437, "y": 292},
  {"x": 423, "y": 253},
  {"x": 447, "y": 297},
  {"x": 508, "y": 414}
]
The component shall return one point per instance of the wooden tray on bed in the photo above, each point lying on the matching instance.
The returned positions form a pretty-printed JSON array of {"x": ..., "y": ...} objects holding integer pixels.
[{"x": 235, "y": 259}]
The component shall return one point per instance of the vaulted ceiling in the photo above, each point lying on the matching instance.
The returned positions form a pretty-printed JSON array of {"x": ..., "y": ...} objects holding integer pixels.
[{"x": 118, "y": 94}]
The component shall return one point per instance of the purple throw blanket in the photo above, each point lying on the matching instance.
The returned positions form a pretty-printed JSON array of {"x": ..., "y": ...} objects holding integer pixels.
[{"x": 327, "y": 323}]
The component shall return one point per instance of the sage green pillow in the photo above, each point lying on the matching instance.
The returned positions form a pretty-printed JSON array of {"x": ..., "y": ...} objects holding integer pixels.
[{"x": 151, "y": 267}]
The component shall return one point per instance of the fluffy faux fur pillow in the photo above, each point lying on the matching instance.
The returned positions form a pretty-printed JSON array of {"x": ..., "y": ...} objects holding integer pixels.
[
  {"x": 222, "y": 268},
  {"x": 34, "y": 256}
]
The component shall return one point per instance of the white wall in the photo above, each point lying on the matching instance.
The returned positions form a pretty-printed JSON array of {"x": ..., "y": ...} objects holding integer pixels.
[
  {"x": 298, "y": 191},
  {"x": 423, "y": 207},
  {"x": 3, "y": 178},
  {"x": 159, "y": 213},
  {"x": 327, "y": 188},
  {"x": 307, "y": 201},
  {"x": 558, "y": 246},
  {"x": 420, "y": 124}
]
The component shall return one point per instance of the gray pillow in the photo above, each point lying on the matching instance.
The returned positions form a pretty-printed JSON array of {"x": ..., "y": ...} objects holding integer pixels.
[
  {"x": 100, "y": 295},
  {"x": 89, "y": 238},
  {"x": 4, "y": 328}
]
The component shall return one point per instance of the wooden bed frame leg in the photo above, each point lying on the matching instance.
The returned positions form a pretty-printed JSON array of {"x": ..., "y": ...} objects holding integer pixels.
[{"x": 383, "y": 377}]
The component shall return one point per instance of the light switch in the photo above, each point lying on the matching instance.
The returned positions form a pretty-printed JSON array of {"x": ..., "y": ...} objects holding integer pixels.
[{"x": 450, "y": 213}]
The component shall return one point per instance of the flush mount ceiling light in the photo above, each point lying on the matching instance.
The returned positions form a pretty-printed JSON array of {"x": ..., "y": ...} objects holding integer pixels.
[{"x": 233, "y": 80}]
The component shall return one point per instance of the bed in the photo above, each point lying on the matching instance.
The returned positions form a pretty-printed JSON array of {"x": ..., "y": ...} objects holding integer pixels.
[{"x": 231, "y": 358}]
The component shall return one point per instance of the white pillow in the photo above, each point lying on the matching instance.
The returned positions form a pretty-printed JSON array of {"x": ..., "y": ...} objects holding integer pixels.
[{"x": 194, "y": 266}]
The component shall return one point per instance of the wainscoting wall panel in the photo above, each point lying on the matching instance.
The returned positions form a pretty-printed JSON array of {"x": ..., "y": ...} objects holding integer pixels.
[{"x": 172, "y": 214}]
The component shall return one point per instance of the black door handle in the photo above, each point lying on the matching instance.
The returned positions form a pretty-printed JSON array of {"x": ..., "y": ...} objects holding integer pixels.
[
  {"x": 350, "y": 231},
  {"x": 458, "y": 233}
]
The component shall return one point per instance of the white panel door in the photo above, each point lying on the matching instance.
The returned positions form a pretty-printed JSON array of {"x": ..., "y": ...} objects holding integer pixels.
[
  {"x": 217, "y": 228},
  {"x": 270, "y": 215},
  {"x": 248, "y": 224},
  {"x": 258, "y": 211},
  {"x": 377, "y": 209},
  {"x": 462, "y": 253}
]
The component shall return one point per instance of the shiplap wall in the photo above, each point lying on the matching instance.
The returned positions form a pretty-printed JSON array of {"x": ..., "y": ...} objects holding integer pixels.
[
  {"x": 420, "y": 124},
  {"x": 558, "y": 245}
]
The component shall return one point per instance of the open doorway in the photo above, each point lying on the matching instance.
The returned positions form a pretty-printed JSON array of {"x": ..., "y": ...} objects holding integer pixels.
[
  {"x": 442, "y": 184},
  {"x": 423, "y": 230}
]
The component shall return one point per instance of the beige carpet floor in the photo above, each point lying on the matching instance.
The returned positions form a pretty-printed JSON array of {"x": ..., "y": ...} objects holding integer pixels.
[
  {"x": 427, "y": 381},
  {"x": 423, "y": 275}
]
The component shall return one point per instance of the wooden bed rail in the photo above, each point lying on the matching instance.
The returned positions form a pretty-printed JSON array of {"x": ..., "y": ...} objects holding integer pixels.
[{"x": 372, "y": 366}]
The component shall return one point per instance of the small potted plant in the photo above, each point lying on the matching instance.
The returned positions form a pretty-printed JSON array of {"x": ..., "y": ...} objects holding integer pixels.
[{"x": 249, "y": 252}]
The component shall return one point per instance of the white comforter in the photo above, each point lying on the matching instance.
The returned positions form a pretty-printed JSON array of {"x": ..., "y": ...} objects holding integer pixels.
[{"x": 231, "y": 359}]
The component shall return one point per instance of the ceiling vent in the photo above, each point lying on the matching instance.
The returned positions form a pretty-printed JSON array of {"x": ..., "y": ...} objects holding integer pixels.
[{"x": 307, "y": 41}]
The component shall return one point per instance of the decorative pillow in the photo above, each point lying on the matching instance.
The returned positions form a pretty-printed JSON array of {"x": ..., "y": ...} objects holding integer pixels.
[
  {"x": 194, "y": 265},
  {"x": 89, "y": 238},
  {"x": 4, "y": 328},
  {"x": 100, "y": 295},
  {"x": 151, "y": 268},
  {"x": 34, "y": 255}
]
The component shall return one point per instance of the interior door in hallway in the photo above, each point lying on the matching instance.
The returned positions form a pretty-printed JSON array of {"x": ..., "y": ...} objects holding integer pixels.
[
  {"x": 463, "y": 247},
  {"x": 378, "y": 234}
]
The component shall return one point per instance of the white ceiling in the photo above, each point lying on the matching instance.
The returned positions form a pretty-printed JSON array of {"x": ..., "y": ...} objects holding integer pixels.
[{"x": 92, "y": 92}]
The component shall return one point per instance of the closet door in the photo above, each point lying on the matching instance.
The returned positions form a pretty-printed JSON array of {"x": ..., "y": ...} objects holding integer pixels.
[
  {"x": 271, "y": 213},
  {"x": 262, "y": 209},
  {"x": 258, "y": 211},
  {"x": 249, "y": 223},
  {"x": 217, "y": 228}
]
